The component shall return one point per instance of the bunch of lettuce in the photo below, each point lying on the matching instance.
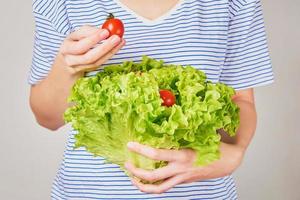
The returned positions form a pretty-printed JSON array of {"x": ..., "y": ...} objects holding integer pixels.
[{"x": 122, "y": 103}]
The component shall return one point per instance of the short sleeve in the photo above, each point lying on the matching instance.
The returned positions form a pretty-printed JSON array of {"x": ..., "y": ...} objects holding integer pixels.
[
  {"x": 247, "y": 62},
  {"x": 51, "y": 27}
]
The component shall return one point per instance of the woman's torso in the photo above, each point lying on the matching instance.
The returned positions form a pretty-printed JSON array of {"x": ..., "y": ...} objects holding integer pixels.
[{"x": 193, "y": 33}]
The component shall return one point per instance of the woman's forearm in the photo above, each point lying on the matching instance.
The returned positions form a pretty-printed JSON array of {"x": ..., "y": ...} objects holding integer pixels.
[
  {"x": 246, "y": 130},
  {"x": 247, "y": 123},
  {"x": 48, "y": 99}
]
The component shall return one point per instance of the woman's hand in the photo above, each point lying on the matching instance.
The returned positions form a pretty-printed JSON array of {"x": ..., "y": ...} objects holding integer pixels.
[
  {"x": 81, "y": 51},
  {"x": 180, "y": 168}
]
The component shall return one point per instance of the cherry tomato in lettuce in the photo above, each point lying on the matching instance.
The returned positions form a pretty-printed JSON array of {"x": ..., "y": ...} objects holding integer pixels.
[{"x": 168, "y": 97}]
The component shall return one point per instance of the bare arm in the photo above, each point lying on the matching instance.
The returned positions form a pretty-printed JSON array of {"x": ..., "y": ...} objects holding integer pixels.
[
  {"x": 78, "y": 54},
  {"x": 48, "y": 99},
  {"x": 245, "y": 100}
]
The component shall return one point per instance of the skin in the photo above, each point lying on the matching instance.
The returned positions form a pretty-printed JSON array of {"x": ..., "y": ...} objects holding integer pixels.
[{"x": 81, "y": 52}]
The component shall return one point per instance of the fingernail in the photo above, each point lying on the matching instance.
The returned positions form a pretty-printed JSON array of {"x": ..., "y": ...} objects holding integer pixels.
[
  {"x": 131, "y": 144},
  {"x": 135, "y": 180},
  {"x": 104, "y": 33},
  {"x": 115, "y": 39},
  {"x": 127, "y": 165}
]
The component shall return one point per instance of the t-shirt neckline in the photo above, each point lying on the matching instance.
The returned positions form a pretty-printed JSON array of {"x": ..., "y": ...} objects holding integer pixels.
[{"x": 157, "y": 20}]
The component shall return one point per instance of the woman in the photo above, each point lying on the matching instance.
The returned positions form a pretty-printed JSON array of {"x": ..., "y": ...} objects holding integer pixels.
[{"x": 224, "y": 38}]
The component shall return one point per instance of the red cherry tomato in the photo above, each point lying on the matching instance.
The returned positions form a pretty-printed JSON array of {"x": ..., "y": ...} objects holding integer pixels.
[
  {"x": 114, "y": 26},
  {"x": 167, "y": 97}
]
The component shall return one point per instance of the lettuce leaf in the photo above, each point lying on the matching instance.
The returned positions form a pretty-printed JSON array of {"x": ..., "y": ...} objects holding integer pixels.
[{"x": 122, "y": 104}]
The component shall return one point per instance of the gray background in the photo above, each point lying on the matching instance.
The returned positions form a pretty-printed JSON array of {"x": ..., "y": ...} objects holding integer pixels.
[{"x": 30, "y": 155}]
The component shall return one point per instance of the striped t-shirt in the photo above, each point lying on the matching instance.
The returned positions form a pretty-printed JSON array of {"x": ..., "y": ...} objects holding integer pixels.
[{"x": 224, "y": 38}]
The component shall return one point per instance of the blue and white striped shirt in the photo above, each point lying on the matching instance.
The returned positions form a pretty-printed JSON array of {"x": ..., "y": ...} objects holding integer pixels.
[{"x": 224, "y": 38}]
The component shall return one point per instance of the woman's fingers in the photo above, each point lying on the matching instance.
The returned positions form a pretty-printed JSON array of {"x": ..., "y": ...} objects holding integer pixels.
[
  {"x": 94, "y": 54},
  {"x": 160, "y": 188},
  {"x": 72, "y": 47},
  {"x": 157, "y": 174},
  {"x": 83, "y": 32},
  {"x": 101, "y": 61},
  {"x": 111, "y": 53},
  {"x": 183, "y": 155},
  {"x": 89, "y": 47}
]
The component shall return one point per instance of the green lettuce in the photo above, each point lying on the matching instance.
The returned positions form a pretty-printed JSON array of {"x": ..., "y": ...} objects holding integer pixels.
[{"x": 122, "y": 103}]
